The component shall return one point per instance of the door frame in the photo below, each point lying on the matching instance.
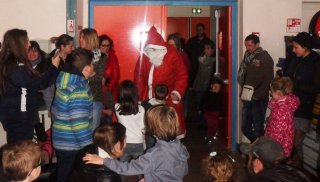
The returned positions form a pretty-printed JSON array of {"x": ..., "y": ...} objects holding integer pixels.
[{"x": 234, "y": 61}]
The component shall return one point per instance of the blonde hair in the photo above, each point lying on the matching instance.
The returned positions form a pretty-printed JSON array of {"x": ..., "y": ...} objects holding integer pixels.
[
  {"x": 282, "y": 84},
  {"x": 162, "y": 122},
  {"x": 19, "y": 159},
  {"x": 91, "y": 37},
  {"x": 219, "y": 168}
]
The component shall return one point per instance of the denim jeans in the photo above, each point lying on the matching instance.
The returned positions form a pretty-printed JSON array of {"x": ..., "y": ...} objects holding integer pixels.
[
  {"x": 132, "y": 151},
  {"x": 97, "y": 110},
  {"x": 65, "y": 160},
  {"x": 253, "y": 117}
]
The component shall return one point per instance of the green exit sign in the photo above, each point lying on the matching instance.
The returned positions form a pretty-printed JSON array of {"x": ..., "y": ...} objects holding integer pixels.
[{"x": 196, "y": 11}]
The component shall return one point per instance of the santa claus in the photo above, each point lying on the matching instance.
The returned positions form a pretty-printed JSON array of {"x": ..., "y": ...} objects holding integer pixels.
[{"x": 162, "y": 64}]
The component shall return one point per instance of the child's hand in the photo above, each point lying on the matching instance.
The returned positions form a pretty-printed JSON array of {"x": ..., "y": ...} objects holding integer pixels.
[{"x": 93, "y": 159}]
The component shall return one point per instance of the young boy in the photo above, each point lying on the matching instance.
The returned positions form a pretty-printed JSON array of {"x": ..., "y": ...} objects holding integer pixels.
[
  {"x": 72, "y": 110},
  {"x": 21, "y": 161},
  {"x": 212, "y": 106},
  {"x": 166, "y": 161},
  {"x": 161, "y": 94}
]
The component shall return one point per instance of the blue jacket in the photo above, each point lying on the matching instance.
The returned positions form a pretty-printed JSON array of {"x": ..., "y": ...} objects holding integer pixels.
[
  {"x": 72, "y": 112},
  {"x": 165, "y": 162}
]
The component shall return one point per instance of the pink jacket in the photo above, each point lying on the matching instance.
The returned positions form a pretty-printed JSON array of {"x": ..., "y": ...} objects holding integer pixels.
[{"x": 280, "y": 124}]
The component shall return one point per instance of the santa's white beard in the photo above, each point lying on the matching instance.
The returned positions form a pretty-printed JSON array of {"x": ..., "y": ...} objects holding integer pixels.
[{"x": 156, "y": 55}]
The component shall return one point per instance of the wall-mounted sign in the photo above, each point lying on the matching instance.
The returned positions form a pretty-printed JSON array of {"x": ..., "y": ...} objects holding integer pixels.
[
  {"x": 196, "y": 10},
  {"x": 293, "y": 25},
  {"x": 256, "y": 33}
]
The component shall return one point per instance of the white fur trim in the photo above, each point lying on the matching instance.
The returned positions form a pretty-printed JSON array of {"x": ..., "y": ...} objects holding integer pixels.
[
  {"x": 177, "y": 94},
  {"x": 150, "y": 81}
]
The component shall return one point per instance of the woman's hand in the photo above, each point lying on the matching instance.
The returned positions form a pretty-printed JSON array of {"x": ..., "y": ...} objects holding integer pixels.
[
  {"x": 56, "y": 59},
  {"x": 93, "y": 159}
]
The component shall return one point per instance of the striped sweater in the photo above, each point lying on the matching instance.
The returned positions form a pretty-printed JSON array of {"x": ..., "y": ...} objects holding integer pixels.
[{"x": 72, "y": 112}]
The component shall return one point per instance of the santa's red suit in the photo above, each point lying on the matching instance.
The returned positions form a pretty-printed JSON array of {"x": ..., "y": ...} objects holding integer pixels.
[{"x": 162, "y": 64}]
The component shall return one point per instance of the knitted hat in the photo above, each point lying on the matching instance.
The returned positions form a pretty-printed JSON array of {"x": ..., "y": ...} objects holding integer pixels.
[
  {"x": 304, "y": 39},
  {"x": 154, "y": 37},
  {"x": 264, "y": 148}
]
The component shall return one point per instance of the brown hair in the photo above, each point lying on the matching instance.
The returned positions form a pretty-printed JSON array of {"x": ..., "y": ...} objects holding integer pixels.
[
  {"x": 282, "y": 84},
  {"x": 91, "y": 37},
  {"x": 219, "y": 168},
  {"x": 19, "y": 159},
  {"x": 107, "y": 135},
  {"x": 13, "y": 52},
  {"x": 162, "y": 122}
]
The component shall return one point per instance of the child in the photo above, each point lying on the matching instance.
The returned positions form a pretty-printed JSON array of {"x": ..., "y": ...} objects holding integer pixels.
[
  {"x": 72, "y": 110},
  {"x": 161, "y": 95},
  {"x": 280, "y": 124},
  {"x": 131, "y": 115},
  {"x": 21, "y": 161},
  {"x": 212, "y": 104},
  {"x": 203, "y": 77},
  {"x": 218, "y": 167},
  {"x": 166, "y": 161}
]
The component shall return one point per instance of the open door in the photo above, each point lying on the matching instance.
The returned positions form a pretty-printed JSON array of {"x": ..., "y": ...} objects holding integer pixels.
[
  {"x": 224, "y": 65},
  {"x": 127, "y": 26}
]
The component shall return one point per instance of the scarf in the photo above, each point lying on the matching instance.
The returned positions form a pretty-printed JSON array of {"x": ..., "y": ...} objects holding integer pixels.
[
  {"x": 247, "y": 60},
  {"x": 96, "y": 55}
]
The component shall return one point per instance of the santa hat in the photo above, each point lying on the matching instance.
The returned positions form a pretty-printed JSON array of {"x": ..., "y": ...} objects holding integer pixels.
[{"x": 155, "y": 38}]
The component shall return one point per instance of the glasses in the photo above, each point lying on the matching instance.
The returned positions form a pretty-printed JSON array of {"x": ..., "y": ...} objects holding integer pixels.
[
  {"x": 33, "y": 49},
  {"x": 39, "y": 164},
  {"x": 105, "y": 45}
]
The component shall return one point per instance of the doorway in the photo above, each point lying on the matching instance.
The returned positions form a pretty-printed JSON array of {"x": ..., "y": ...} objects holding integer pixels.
[{"x": 108, "y": 17}]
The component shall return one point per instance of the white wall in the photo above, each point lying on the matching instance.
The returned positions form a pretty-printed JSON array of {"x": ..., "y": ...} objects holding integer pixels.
[
  {"x": 186, "y": 11},
  {"x": 309, "y": 9},
  {"x": 41, "y": 18}
]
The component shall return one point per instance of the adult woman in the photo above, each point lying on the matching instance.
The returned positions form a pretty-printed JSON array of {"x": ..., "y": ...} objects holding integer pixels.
[
  {"x": 175, "y": 40},
  {"x": 111, "y": 74},
  {"x": 64, "y": 43},
  {"x": 304, "y": 70},
  {"x": 19, "y": 84},
  {"x": 108, "y": 141},
  {"x": 89, "y": 40}
]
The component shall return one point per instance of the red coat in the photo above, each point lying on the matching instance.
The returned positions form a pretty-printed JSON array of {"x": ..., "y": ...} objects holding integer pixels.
[
  {"x": 172, "y": 72},
  {"x": 280, "y": 124},
  {"x": 112, "y": 73}
]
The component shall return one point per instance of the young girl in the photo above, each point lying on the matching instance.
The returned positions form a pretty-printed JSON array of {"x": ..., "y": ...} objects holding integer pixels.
[
  {"x": 218, "y": 167},
  {"x": 280, "y": 124},
  {"x": 131, "y": 114},
  {"x": 166, "y": 161},
  {"x": 19, "y": 85}
]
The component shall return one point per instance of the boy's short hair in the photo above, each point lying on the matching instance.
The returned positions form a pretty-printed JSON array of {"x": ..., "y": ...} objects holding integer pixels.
[
  {"x": 19, "y": 159},
  {"x": 162, "y": 121},
  {"x": 78, "y": 59},
  {"x": 107, "y": 135},
  {"x": 161, "y": 91},
  {"x": 252, "y": 37}
]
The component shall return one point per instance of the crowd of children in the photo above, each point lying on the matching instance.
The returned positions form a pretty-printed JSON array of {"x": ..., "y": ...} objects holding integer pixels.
[{"x": 145, "y": 138}]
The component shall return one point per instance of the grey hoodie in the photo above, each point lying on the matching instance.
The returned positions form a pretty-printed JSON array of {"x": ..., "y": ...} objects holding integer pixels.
[{"x": 166, "y": 161}]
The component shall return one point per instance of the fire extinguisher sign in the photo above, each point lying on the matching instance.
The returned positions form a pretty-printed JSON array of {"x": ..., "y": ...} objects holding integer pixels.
[{"x": 293, "y": 25}]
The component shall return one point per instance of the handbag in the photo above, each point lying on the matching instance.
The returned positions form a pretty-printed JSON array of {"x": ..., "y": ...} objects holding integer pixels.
[{"x": 247, "y": 92}]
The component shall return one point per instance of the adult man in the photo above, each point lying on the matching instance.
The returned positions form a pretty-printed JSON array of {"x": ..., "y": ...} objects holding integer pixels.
[
  {"x": 255, "y": 73},
  {"x": 162, "y": 64},
  {"x": 194, "y": 48},
  {"x": 266, "y": 162}
]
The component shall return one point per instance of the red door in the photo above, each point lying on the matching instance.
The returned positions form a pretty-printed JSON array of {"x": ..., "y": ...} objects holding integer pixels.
[
  {"x": 225, "y": 52},
  {"x": 180, "y": 25},
  {"x": 127, "y": 26}
]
